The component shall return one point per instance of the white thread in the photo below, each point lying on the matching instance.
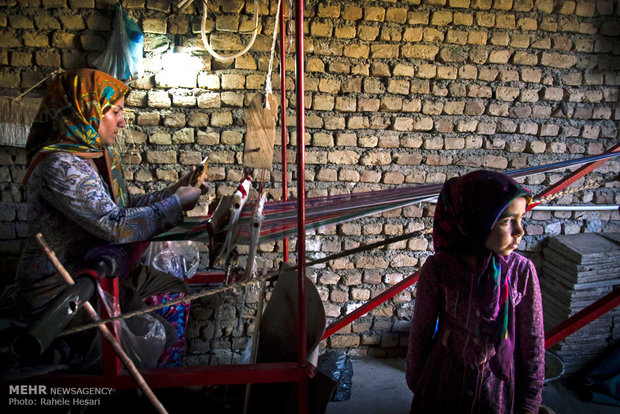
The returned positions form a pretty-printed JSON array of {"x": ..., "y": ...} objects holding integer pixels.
[
  {"x": 208, "y": 46},
  {"x": 273, "y": 48}
]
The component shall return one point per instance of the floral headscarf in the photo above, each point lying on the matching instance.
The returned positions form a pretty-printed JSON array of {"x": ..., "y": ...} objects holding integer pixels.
[
  {"x": 466, "y": 211},
  {"x": 68, "y": 120}
]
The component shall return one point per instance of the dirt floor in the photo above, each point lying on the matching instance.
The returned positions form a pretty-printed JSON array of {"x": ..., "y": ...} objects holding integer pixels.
[{"x": 379, "y": 387}]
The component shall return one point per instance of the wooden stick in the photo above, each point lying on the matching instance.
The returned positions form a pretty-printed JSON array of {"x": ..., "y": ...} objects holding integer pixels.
[
  {"x": 199, "y": 176},
  {"x": 104, "y": 330},
  {"x": 259, "y": 313},
  {"x": 183, "y": 3},
  {"x": 57, "y": 71}
]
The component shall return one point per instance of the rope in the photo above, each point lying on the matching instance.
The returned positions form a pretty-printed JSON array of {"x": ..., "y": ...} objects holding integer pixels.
[
  {"x": 49, "y": 75},
  {"x": 568, "y": 191},
  {"x": 208, "y": 47},
  {"x": 273, "y": 48}
]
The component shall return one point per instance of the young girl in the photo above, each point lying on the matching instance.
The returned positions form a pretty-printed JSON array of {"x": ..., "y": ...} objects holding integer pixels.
[{"x": 477, "y": 342}]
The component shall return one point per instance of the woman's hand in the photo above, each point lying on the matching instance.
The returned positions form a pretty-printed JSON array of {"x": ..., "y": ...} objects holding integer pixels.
[
  {"x": 185, "y": 181},
  {"x": 188, "y": 196},
  {"x": 204, "y": 187}
]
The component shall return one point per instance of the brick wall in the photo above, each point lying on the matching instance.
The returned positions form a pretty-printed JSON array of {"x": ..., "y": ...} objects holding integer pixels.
[{"x": 397, "y": 94}]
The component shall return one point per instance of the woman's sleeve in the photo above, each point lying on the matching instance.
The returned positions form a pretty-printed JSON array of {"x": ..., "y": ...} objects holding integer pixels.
[
  {"x": 530, "y": 336},
  {"x": 423, "y": 323},
  {"x": 143, "y": 200},
  {"x": 71, "y": 186}
]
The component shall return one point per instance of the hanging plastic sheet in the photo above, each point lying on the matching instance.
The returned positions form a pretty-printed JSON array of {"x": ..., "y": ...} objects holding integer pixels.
[
  {"x": 122, "y": 57},
  {"x": 142, "y": 337},
  {"x": 179, "y": 259}
]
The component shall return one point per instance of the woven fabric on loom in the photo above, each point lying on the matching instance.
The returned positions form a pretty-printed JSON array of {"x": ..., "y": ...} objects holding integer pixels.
[{"x": 281, "y": 216}]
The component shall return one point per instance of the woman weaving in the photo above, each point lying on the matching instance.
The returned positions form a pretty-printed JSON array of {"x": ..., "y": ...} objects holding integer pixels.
[{"x": 77, "y": 197}]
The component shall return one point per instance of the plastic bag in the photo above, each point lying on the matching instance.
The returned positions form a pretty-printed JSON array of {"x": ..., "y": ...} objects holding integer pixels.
[
  {"x": 122, "y": 57},
  {"x": 338, "y": 367},
  {"x": 142, "y": 337},
  {"x": 180, "y": 259}
]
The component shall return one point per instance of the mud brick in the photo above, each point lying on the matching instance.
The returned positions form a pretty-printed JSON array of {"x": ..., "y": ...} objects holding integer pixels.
[
  {"x": 520, "y": 112},
  {"x": 557, "y": 60},
  {"x": 463, "y": 19},
  {"x": 498, "y": 109},
  {"x": 506, "y": 93},
  {"x": 396, "y": 15},
  {"x": 505, "y": 21},
  {"x": 524, "y": 58},
  {"x": 499, "y": 56}
]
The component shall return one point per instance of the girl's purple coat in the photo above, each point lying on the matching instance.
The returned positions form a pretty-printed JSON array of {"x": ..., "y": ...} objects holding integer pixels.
[
  {"x": 477, "y": 341},
  {"x": 449, "y": 370}
]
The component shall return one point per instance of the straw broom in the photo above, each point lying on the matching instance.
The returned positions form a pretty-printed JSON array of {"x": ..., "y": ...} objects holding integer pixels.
[{"x": 17, "y": 114}]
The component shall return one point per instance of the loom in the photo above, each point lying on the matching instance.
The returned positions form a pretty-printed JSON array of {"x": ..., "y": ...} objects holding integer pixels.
[
  {"x": 280, "y": 217},
  {"x": 289, "y": 371}
]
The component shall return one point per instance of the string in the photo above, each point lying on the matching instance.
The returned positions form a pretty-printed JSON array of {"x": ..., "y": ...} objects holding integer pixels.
[
  {"x": 57, "y": 71},
  {"x": 568, "y": 191},
  {"x": 281, "y": 216},
  {"x": 268, "y": 89}
]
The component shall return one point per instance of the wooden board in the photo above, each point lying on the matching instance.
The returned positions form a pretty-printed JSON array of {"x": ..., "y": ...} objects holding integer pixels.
[
  {"x": 585, "y": 248},
  {"x": 582, "y": 280},
  {"x": 260, "y": 133}
]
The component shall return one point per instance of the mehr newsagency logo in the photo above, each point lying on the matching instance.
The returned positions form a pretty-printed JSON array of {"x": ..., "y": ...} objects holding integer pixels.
[{"x": 27, "y": 395}]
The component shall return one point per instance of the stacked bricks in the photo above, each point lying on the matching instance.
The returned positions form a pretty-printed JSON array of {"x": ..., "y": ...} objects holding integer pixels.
[{"x": 397, "y": 94}]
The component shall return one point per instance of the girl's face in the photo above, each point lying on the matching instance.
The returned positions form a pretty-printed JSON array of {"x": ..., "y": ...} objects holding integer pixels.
[
  {"x": 506, "y": 234},
  {"x": 111, "y": 123}
]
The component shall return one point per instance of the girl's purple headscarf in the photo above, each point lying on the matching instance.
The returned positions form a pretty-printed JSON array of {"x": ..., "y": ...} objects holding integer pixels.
[
  {"x": 466, "y": 211},
  {"x": 469, "y": 206}
]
